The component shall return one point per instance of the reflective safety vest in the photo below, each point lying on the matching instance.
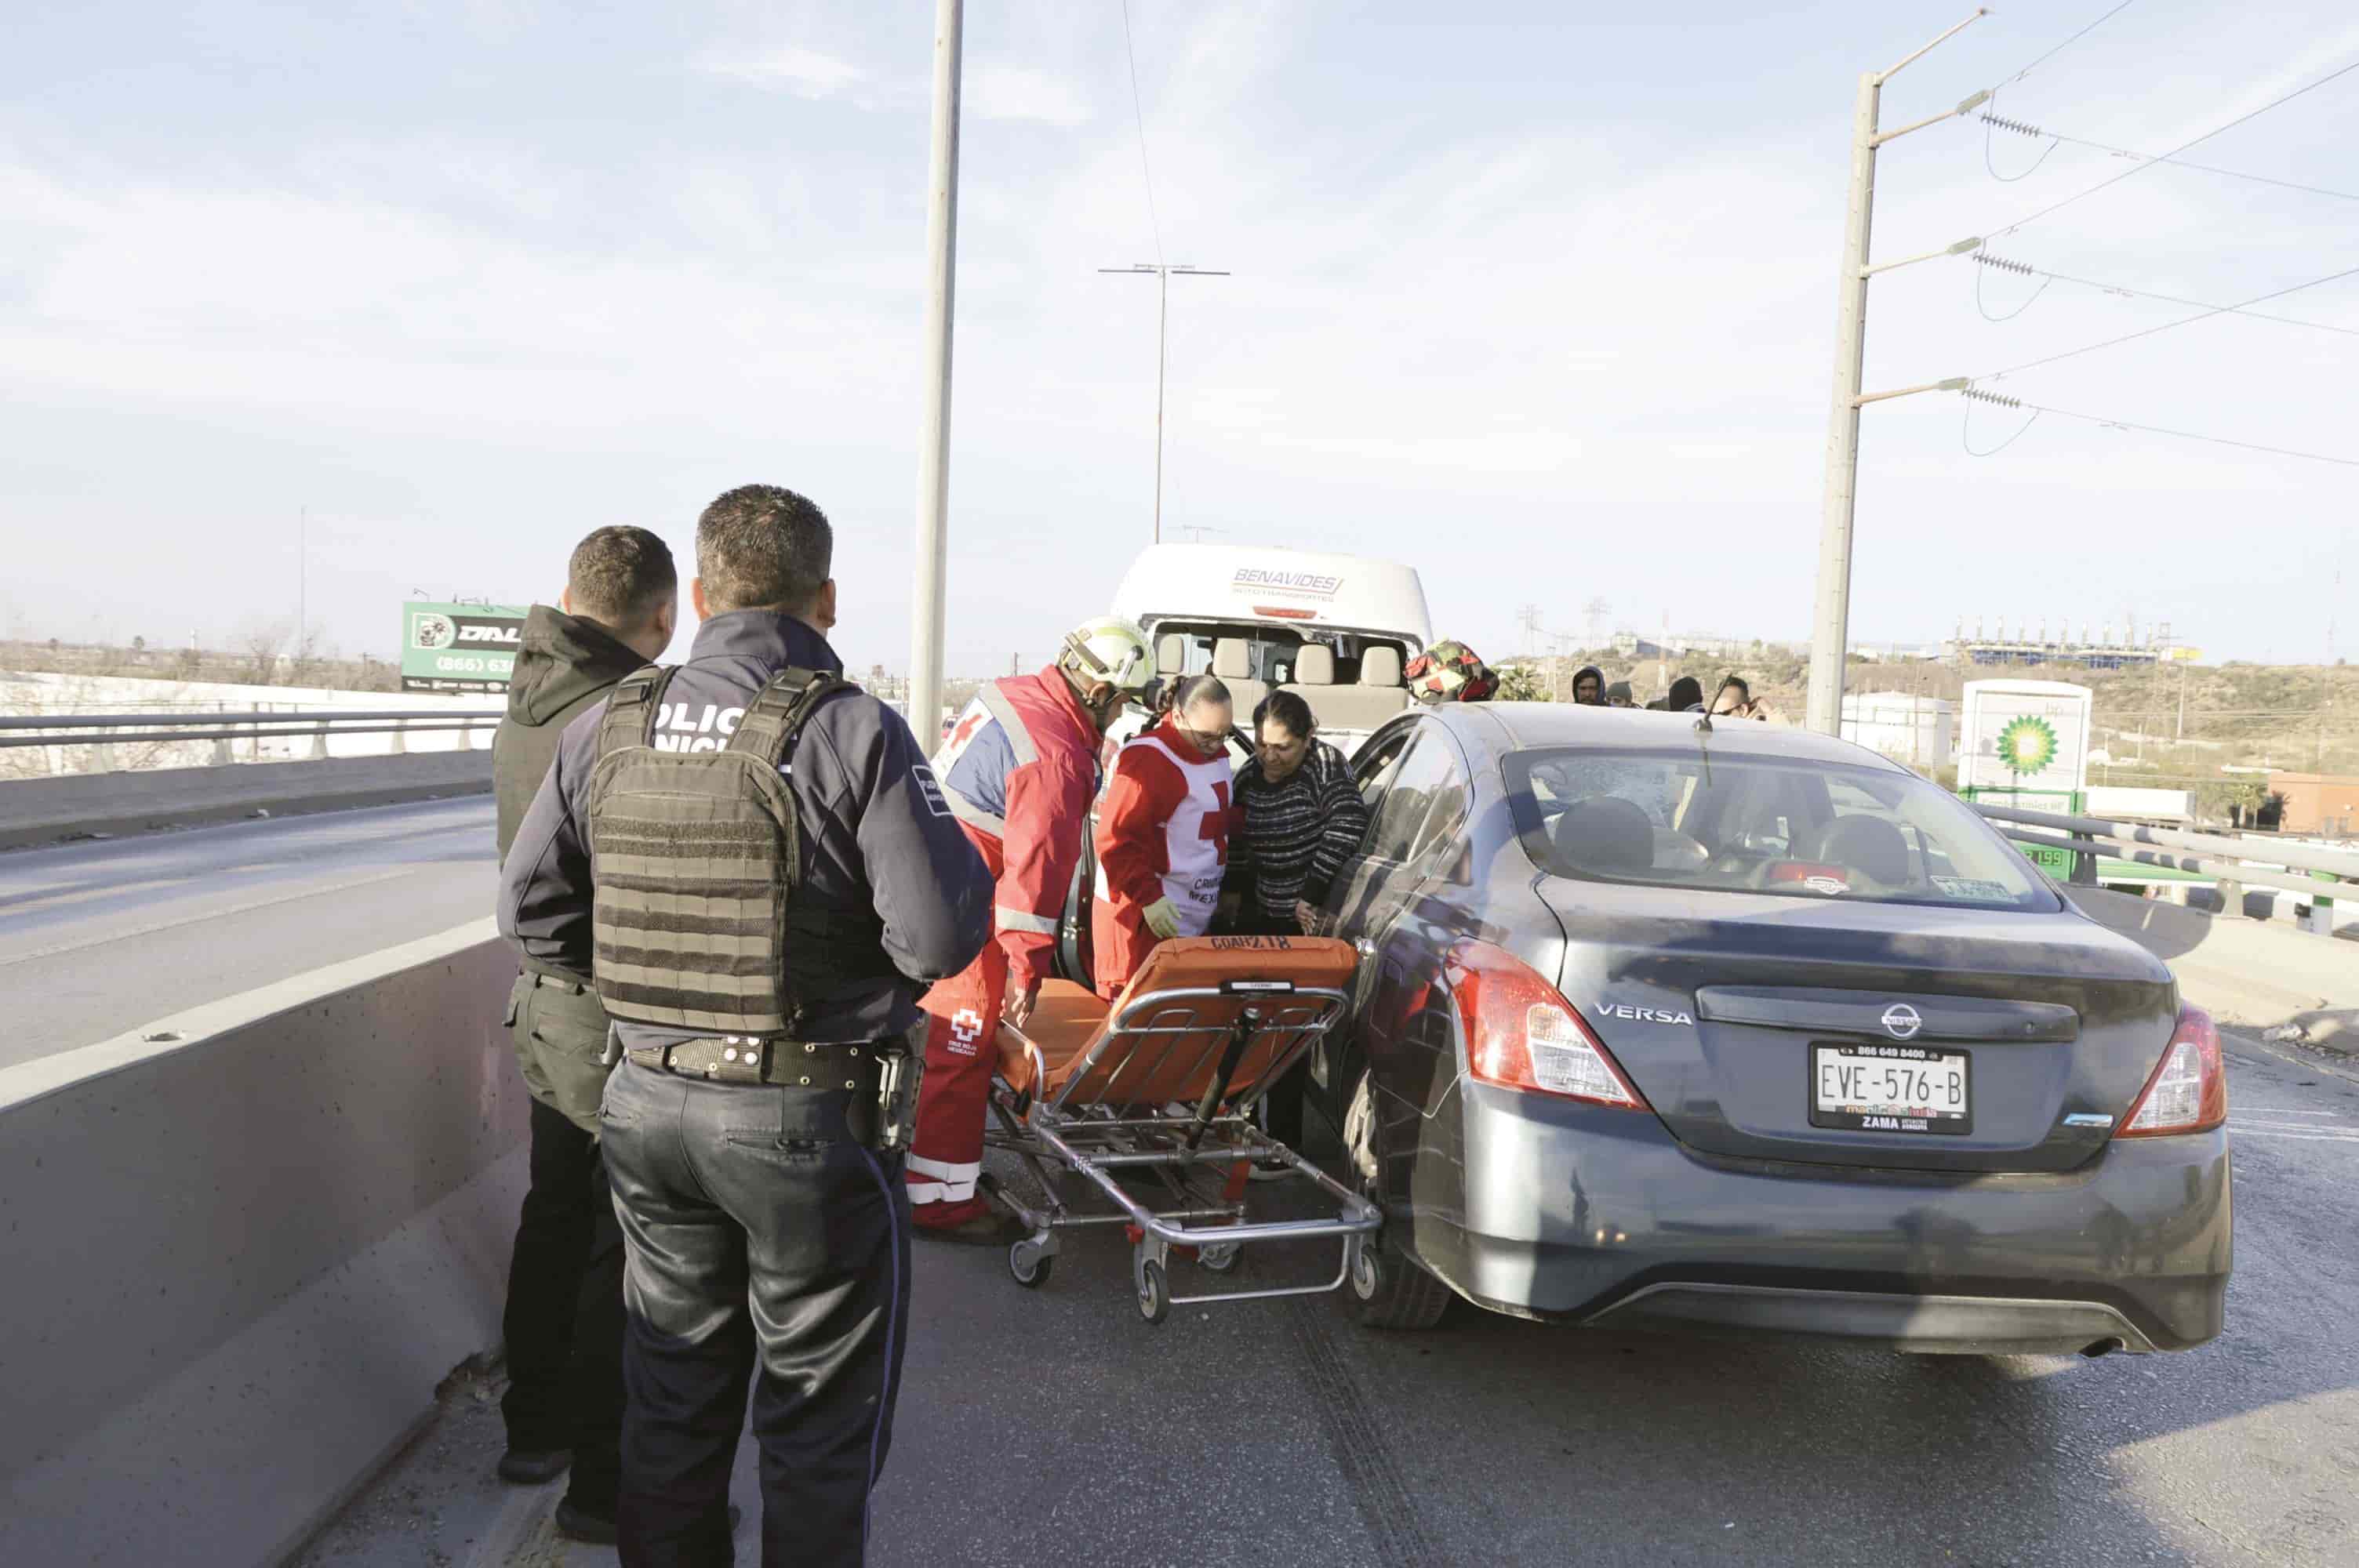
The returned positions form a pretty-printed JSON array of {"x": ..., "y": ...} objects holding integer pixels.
[{"x": 696, "y": 856}]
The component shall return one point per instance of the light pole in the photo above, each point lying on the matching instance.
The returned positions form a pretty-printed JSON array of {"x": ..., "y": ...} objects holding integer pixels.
[
  {"x": 934, "y": 453},
  {"x": 1831, "y": 618},
  {"x": 1163, "y": 275}
]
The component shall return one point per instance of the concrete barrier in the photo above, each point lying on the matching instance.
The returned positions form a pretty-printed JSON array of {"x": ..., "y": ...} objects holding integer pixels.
[
  {"x": 2248, "y": 973},
  {"x": 243, "y": 1246},
  {"x": 34, "y": 811}
]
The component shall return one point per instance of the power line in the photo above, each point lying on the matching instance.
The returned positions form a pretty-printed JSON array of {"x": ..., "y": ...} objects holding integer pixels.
[
  {"x": 2075, "y": 38},
  {"x": 2166, "y": 326},
  {"x": 1138, "y": 113},
  {"x": 2166, "y": 157},
  {"x": 2026, "y": 270},
  {"x": 1978, "y": 395},
  {"x": 2054, "y": 137}
]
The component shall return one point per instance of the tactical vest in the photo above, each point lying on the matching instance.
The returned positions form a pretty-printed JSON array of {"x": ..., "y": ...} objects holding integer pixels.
[{"x": 697, "y": 857}]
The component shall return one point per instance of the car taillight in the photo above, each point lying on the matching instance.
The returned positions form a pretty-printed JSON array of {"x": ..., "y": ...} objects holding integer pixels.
[
  {"x": 2189, "y": 1089},
  {"x": 1522, "y": 1035}
]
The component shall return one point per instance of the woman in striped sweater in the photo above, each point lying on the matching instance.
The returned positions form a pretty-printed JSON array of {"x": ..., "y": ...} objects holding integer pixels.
[{"x": 1302, "y": 817}]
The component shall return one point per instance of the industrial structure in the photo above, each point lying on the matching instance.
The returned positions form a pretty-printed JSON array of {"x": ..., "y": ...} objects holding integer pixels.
[{"x": 2103, "y": 650}]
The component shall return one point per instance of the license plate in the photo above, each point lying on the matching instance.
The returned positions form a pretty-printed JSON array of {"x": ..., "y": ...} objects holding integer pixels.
[{"x": 1890, "y": 1088}]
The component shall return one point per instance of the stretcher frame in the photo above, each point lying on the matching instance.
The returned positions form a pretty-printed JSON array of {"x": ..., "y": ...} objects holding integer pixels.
[{"x": 1054, "y": 1135}]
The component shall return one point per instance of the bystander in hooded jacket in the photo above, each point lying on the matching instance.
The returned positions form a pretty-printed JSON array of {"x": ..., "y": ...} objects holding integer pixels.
[{"x": 565, "y": 665}]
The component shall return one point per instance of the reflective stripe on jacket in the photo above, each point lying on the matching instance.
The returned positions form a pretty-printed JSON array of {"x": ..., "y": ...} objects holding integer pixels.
[{"x": 1020, "y": 765}]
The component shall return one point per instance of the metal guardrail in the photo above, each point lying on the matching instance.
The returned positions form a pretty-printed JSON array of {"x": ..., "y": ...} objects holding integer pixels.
[
  {"x": 2228, "y": 861},
  {"x": 222, "y": 729}
]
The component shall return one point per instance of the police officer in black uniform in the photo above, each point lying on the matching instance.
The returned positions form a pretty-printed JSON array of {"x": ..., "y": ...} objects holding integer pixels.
[{"x": 754, "y": 863}]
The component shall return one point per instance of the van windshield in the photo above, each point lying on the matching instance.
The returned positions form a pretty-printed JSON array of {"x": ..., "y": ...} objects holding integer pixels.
[{"x": 1673, "y": 819}]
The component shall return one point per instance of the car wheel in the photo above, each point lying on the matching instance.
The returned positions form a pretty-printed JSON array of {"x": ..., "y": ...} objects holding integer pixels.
[{"x": 1384, "y": 1288}]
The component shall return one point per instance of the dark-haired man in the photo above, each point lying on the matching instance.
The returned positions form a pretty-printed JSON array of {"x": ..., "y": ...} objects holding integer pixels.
[
  {"x": 776, "y": 876},
  {"x": 563, "y": 1324}
]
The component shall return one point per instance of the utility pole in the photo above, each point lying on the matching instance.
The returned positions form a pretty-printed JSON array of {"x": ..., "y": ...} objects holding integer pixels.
[
  {"x": 1163, "y": 276},
  {"x": 1831, "y": 618},
  {"x": 934, "y": 451},
  {"x": 302, "y": 575}
]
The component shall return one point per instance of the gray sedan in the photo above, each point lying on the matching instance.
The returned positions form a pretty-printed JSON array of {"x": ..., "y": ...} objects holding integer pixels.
[{"x": 1733, "y": 1027}]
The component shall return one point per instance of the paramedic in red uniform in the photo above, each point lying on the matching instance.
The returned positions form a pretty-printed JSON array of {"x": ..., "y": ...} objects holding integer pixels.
[
  {"x": 1163, "y": 833},
  {"x": 1018, "y": 770}
]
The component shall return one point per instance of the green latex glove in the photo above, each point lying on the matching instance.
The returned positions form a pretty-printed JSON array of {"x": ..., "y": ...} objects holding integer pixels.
[{"x": 1162, "y": 917}]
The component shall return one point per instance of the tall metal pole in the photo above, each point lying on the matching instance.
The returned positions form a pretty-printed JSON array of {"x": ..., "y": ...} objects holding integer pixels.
[
  {"x": 934, "y": 453},
  {"x": 1830, "y": 616},
  {"x": 1162, "y": 338},
  {"x": 1163, "y": 275}
]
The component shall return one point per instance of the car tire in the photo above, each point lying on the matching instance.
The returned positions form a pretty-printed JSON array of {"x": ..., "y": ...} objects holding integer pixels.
[{"x": 1384, "y": 1288}]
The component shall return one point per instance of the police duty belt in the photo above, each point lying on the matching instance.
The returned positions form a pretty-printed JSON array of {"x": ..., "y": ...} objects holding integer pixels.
[{"x": 742, "y": 1059}]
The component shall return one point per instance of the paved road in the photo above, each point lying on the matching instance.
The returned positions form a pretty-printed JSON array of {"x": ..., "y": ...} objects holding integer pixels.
[
  {"x": 1055, "y": 1427},
  {"x": 100, "y": 937}
]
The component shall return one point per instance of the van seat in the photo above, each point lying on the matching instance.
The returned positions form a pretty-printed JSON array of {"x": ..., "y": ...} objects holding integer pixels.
[
  {"x": 1233, "y": 661},
  {"x": 1362, "y": 706}
]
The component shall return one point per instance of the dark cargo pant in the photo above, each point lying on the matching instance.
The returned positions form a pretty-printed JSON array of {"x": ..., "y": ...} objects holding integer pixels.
[
  {"x": 763, "y": 1243},
  {"x": 563, "y": 1323}
]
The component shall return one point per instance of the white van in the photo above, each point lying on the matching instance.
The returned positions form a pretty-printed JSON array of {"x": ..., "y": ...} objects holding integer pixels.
[{"x": 1336, "y": 630}]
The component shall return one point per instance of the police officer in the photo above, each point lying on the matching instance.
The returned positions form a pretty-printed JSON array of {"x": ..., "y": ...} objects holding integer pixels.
[
  {"x": 756, "y": 864},
  {"x": 563, "y": 1324}
]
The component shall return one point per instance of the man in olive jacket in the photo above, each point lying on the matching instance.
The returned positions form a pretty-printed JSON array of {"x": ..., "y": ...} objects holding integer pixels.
[{"x": 564, "y": 1318}]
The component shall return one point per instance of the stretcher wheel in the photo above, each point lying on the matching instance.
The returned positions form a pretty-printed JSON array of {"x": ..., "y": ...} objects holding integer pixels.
[
  {"x": 1029, "y": 1264},
  {"x": 1154, "y": 1292},
  {"x": 1221, "y": 1257}
]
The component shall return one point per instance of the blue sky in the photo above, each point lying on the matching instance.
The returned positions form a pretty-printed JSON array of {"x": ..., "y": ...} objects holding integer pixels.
[{"x": 1539, "y": 302}]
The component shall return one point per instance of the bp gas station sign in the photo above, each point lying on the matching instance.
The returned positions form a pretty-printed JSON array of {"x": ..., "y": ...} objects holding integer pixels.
[{"x": 459, "y": 648}]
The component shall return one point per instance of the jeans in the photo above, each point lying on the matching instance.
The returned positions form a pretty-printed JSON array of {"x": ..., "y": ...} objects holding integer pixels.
[
  {"x": 763, "y": 1243},
  {"x": 564, "y": 1318},
  {"x": 1281, "y": 1108}
]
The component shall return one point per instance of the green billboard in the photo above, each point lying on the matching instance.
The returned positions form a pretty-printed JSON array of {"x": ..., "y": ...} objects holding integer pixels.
[{"x": 459, "y": 648}]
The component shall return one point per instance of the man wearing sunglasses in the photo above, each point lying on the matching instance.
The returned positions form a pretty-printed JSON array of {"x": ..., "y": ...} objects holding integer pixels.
[{"x": 1163, "y": 833}]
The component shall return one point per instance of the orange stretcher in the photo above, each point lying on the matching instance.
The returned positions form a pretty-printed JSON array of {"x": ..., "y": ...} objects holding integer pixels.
[{"x": 1162, "y": 1083}]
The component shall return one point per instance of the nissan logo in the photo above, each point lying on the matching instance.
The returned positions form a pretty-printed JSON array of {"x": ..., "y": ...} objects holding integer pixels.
[{"x": 1900, "y": 1021}]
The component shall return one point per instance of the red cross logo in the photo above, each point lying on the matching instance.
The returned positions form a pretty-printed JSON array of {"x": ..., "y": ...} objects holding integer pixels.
[{"x": 1217, "y": 823}]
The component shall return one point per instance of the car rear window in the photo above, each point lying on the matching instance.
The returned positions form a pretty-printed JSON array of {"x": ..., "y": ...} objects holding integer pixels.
[{"x": 1678, "y": 818}]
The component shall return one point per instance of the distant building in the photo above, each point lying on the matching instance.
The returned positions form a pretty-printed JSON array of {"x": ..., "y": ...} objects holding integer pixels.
[
  {"x": 2150, "y": 808},
  {"x": 1680, "y": 644},
  {"x": 2105, "y": 651},
  {"x": 2323, "y": 804},
  {"x": 1918, "y": 730}
]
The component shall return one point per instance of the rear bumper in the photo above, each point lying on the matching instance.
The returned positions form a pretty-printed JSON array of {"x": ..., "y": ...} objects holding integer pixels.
[{"x": 1583, "y": 1215}]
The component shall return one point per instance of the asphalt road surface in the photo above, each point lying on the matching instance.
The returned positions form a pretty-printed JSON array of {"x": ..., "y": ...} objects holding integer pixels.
[
  {"x": 100, "y": 937},
  {"x": 1055, "y": 1427}
]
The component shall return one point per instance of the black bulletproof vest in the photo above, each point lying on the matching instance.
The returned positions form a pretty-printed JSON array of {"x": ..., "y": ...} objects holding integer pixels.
[{"x": 696, "y": 856}]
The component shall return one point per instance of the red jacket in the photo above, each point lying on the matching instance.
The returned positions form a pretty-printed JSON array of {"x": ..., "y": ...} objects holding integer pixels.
[
  {"x": 1018, "y": 770},
  {"x": 1163, "y": 832}
]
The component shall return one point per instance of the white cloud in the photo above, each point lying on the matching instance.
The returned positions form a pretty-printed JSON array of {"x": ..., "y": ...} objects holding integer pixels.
[
  {"x": 1002, "y": 92},
  {"x": 806, "y": 73}
]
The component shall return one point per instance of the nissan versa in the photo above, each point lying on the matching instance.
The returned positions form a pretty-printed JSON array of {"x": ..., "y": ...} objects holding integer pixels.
[{"x": 1665, "y": 1023}]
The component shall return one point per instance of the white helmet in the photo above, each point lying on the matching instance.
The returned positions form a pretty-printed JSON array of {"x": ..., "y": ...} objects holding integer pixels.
[{"x": 1108, "y": 649}]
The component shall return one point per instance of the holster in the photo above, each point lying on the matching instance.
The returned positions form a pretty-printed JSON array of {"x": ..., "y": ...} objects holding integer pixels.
[{"x": 897, "y": 1092}]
